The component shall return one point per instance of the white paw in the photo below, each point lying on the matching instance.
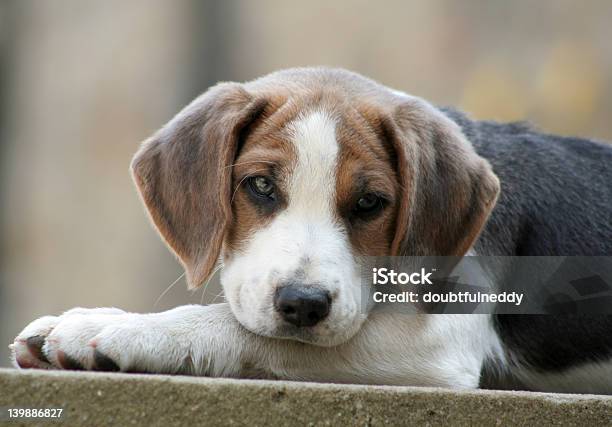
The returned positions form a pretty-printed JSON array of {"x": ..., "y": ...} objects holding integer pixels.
[
  {"x": 71, "y": 341},
  {"x": 178, "y": 341},
  {"x": 27, "y": 348}
]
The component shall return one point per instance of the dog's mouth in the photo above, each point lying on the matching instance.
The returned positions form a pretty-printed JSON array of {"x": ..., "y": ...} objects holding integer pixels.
[
  {"x": 309, "y": 335},
  {"x": 302, "y": 334},
  {"x": 328, "y": 333}
]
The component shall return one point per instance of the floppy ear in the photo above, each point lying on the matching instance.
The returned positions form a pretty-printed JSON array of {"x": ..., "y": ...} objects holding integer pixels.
[
  {"x": 448, "y": 190},
  {"x": 183, "y": 177}
]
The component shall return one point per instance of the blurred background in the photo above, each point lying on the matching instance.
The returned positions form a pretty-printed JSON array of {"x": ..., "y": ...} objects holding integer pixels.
[{"x": 83, "y": 82}]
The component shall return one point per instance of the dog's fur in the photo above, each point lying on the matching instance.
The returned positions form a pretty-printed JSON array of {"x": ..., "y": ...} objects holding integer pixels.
[{"x": 325, "y": 138}]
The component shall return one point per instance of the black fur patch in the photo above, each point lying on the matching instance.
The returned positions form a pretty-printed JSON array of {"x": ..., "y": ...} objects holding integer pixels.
[{"x": 556, "y": 199}]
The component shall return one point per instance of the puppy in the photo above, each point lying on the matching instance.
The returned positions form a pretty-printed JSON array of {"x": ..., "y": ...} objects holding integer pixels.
[{"x": 288, "y": 181}]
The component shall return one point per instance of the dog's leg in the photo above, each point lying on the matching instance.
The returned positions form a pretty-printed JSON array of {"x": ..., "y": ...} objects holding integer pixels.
[{"x": 436, "y": 350}]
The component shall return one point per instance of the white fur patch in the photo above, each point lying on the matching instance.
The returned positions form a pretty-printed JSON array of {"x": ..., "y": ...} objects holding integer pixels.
[{"x": 313, "y": 181}]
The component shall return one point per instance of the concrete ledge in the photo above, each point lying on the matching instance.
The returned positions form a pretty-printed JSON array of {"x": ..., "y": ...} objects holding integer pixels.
[{"x": 129, "y": 399}]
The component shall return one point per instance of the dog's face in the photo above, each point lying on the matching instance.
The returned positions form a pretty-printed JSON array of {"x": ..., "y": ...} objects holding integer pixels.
[
  {"x": 314, "y": 188},
  {"x": 291, "y": 179}
]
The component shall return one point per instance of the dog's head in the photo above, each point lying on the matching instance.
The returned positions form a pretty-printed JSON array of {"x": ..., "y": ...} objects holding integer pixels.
[{"x": 288, "y": 180}]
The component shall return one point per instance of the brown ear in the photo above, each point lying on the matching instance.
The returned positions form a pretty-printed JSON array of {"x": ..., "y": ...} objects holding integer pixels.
[
  {"x": 448, "y": 190},
  {"x": 183, "y": 177}
]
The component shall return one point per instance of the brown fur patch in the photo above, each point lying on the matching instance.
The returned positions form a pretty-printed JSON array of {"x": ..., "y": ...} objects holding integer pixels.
[
  {"x": 365, "y": 165},
  {"x": 456, "y": 188},
  {"x": 181, "y": 177},
  {"x": 266, "y": 151}
]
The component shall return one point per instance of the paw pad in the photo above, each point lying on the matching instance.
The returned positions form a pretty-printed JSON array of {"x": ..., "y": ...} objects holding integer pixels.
[
  {"x": 103, "y": 362},
  {"x": 35, "y": 345},
  {"x": 68, "y": 362}
]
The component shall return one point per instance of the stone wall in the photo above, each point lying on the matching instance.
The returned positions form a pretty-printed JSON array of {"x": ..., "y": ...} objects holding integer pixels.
[{"x": 155, "y": 400}]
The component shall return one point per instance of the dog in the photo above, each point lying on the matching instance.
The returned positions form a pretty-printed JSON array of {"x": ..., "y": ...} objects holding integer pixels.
[{"x": 288, "y": 181}]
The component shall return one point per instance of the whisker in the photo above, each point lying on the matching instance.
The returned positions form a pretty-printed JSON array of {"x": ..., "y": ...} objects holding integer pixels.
[
  {"x": 241, "y": 181},
  {"x": 208, "y": 282},
  {"x": 202, "y": 298},
  {"x": 218, "y": 295},
  {"x": 167, "y": 289}
]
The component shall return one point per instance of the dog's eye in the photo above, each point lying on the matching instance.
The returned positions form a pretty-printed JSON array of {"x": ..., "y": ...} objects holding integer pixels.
[
  {"x": 368, "y": 202},
  {"x": 261, "y": 186},
  {"x": 368, "y": 205}
]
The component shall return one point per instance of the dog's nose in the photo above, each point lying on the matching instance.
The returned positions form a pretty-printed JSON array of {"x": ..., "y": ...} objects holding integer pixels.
[{"x": 302, "y": 306}]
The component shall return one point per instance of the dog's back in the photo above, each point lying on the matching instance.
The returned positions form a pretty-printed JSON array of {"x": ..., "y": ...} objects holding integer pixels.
[
  {"x": 556, "y": 192},
  {"x": 556, "y": 200}
]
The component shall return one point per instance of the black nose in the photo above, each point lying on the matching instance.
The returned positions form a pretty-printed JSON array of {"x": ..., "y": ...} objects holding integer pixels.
[{"x": 302, "y": 306}]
